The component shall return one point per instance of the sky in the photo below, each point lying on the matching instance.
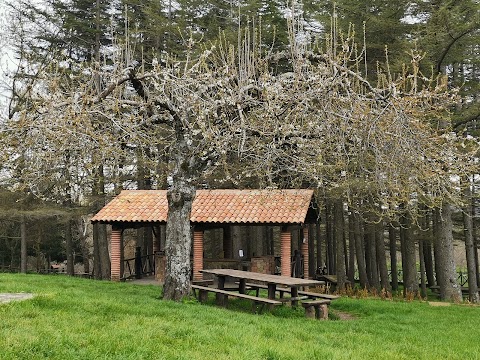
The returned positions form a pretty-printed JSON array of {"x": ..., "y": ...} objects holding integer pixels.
[{"x": 6, "y": 59}]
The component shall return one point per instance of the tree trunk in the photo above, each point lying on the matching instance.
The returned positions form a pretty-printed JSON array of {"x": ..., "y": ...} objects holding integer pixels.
[
  {"x": 23, "y": 245},
  {"x": 180, "y": 197},
  {"x": 410, "y": 281},
  {"x": 311, "y": 251},
  {"x": 178, "y": 242},
  {"x": 475, "y": 239},
  {"x": 393, "y": 256},
  {"x": 374, "y": 279},
  {"x": 427, "y": 252},
  {"x": 82, "y": 230},
  {"x": 360, "y": 253},
  {"x": 436, "y": 234},
  {"x": 339, "y": 231},
  {"x": 447, "y": 275},
  {"x": 351, "y": 249},
  {"x": 423, "y": 285},
  {"x": 469, "y": 247},
  {"x": 101, "y": 255},
  {"x": 69, "y": 248},
  {"x": 381, "y": 257},
  {"x": 320, "y": 263},
  {"x": 477, "y": 267},
  {"x": 329, "y": 240}
]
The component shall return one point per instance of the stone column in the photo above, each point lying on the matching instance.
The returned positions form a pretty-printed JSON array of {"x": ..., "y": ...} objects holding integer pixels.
[
  {"x": 197, "y": 254},
  {"x": 286, "y": 251},
  {"x": 305, "y": 252},
  {"x": 116, "y": 255}
]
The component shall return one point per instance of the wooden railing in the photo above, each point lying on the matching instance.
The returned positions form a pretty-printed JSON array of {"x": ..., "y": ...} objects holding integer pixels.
[{"x": 138, "y": 267}]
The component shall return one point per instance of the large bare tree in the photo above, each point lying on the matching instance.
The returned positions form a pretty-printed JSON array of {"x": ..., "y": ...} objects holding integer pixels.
[{"x": 292, "y": 118}]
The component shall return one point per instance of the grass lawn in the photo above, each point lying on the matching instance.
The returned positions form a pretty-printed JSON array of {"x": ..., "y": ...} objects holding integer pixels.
[{"x": 73, "y": 318}]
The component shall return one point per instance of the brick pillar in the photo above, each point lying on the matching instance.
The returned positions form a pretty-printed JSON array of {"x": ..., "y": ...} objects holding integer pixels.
[
  {"x": 116, "y": 256},
  {"x": 286, "y": 252},
  {"x": 197, "y": 255},
  {"x": 305, "y": 252}
]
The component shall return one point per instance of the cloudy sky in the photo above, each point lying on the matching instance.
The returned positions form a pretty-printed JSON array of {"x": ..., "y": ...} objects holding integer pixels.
[{"x": 6, "y": 59}]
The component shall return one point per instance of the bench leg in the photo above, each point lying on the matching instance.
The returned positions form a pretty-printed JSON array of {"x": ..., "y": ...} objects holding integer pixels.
[
  {"x": 322, "y": 312},
  {"x": 221, "y": 299},
  {"x": 310, "y": 312},
  {"x": 294, "y": 294},
  {"x": 202, "y": 296}
]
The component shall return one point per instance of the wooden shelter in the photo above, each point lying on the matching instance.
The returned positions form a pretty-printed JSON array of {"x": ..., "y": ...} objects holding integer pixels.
[{"x": 212, "y": 208}]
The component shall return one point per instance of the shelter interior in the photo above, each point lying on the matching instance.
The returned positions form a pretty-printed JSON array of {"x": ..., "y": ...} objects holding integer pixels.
[{"x": 263, "y": 231}]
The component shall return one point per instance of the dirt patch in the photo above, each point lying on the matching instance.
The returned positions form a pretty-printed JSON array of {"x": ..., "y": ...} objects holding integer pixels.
[
  {"x": 7, "y": 297},
  {"x": 438, "y": 303},
  {"x": 342, "y": 315}
]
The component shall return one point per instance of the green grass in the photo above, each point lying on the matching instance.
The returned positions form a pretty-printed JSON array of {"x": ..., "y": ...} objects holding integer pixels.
[{"x": 73, "y": 318}]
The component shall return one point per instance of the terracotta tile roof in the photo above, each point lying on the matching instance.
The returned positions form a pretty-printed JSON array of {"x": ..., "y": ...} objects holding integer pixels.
[
  {"x": 251, "y": 206},
  {"x": 212, "y": 206},
  {"x": 135, "y": 206}
]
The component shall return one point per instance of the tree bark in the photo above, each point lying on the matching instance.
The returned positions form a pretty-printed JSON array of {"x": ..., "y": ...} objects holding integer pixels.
[
  {"x": 82, "y": 230},
  {"x": 447, "y": 275},
  {"x": 373, "y": 279},
  {"x": 329, "y": 240},
  {"x": 381, "y": 257},
  {"x": 360, "y": 253},
  {"x": 311, "y": 251},
  {"x": 410, "y": 281},
  {"x": 393, "y": 256},
  {"x": 423, "y": 285},
  {"x": 101, "y": 255},
  {"x": 69, "y": 247},
  {"x": 184, "y": 170},
  {"x": 475, "y": 239},
  {"x": 339, "y": 231},
  {"x": 320, "y": 262},
  {"x": 23, "y": 245},
  {"x": 178, "y": 242},
  {"x": 469, "y": 247},
  {"x": 427, "y": 252},
  {"x": 351, "y": 249}
]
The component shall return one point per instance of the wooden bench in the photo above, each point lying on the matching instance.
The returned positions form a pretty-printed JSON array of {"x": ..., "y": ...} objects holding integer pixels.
[
  {"x": 203, "y": 282},
  {"x": 281, "y": 290},
  {"x": 436, "y": 289},
  {"x": 315, "y": 295},
  {"x": 316, "y": 309},
  {"x": 222, "y": 297}
]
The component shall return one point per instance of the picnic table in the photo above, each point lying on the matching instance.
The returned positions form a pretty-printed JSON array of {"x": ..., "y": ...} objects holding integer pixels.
[{"x": 272, "y": 282}]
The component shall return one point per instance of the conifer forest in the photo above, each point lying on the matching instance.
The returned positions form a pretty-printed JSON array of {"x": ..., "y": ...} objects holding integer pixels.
[{"x": 373, "y": 104}]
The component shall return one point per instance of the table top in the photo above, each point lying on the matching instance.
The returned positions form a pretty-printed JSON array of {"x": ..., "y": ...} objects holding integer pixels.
[{"x": 267, "y": 278}]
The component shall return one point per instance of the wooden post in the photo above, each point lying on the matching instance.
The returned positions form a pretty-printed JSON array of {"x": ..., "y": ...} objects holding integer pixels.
[
  {"x": 305, "y": 252},
  {"x": 286, "y": 251},
  {"x": 294, "y": 294},
  {"x": 116, "y": 256},
  {"x": 156, "y": 239},
  {"x": 197, "y": 254},
  {"x": 138, "y": 263},
  {"x": 202, "y": 296},
  {"x": 221, "y": 299}
]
